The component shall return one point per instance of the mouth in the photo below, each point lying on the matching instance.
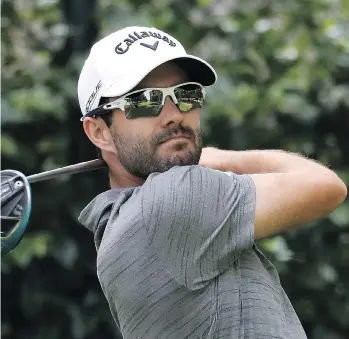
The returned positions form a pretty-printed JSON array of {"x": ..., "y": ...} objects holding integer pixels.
[{"x": 176, "y": 137}]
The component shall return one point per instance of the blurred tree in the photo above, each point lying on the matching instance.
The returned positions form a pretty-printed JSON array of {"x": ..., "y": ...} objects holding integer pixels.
[{"x": 283, "y": 83}]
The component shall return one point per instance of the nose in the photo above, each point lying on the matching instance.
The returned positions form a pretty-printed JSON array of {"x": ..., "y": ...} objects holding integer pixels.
[{"x": 170, "y": 115}]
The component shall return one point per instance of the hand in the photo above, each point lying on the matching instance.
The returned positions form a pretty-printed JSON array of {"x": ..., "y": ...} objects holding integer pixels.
[{"x": 214, "y": 158}]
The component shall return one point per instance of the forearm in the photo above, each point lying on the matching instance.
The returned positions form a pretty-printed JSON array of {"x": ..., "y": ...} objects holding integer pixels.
[
  {"x": 261, "y": 161},
  {"x": 290, "y": 189}
]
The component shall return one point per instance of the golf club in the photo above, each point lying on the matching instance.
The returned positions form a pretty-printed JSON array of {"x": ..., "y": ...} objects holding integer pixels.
[{"x": 16, "y": 199}]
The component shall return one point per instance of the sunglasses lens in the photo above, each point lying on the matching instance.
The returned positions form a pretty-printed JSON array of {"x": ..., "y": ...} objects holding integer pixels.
[
  {"x": 148, "y": 103},
  {"x": 143, "y": 104},
  {"x": 189, "y": 96}
]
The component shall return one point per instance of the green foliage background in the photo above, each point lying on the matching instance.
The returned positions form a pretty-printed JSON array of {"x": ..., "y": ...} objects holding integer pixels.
[{"x": 283, "y": 83}]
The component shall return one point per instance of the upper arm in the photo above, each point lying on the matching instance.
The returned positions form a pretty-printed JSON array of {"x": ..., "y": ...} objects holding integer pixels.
[
  {"x": 284, "y": 200},
  {"x": 198, "y": 220}
]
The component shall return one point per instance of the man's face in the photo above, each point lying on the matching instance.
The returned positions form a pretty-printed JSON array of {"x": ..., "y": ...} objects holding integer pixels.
[{"x": 156, "y": 144}]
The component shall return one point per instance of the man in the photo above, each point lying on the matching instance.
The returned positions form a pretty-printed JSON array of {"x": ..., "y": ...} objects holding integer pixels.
[{"x": 175, "y": 234}]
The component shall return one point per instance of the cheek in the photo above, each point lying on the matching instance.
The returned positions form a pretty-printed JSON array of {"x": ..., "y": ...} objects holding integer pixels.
[
  {"x": 192, "y": 119},
  {"x": 135, "y": 131}
]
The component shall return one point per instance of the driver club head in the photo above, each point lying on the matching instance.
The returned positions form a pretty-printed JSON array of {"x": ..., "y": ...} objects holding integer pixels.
[
  {"x": 16, "y": 198},
  {"x": 15, "y": 208}
]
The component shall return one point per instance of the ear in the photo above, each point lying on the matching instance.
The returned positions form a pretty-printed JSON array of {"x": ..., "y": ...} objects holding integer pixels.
[{"x": 99, "y": 134}]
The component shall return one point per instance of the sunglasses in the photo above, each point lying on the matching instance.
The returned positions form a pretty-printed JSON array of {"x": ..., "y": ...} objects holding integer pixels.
[{"x": 148, "y": 102}]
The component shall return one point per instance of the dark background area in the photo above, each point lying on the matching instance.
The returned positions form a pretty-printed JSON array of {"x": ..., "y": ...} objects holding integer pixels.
[{"x": 283, "y": 71}]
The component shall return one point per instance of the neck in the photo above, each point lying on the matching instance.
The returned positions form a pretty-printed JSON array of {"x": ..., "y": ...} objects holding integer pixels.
[
  {"x": 123, "y": 179},
  {"x": 118, "y": 176}
]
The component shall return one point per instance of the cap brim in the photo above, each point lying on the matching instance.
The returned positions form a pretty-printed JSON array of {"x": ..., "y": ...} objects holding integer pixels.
[{"x": 198, "y": 70}]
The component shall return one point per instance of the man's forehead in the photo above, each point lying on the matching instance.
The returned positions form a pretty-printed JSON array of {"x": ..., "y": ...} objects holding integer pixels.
[
  {"x": 166, "y": 75},
  {"x": 160, "y": 78}
]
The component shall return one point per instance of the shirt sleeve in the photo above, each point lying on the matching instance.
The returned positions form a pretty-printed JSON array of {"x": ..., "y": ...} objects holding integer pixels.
[{"x": 199, "y": 220}]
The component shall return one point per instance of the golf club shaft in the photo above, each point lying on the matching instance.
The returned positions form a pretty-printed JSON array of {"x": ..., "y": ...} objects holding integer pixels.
[{"x": 71, "y": 169}]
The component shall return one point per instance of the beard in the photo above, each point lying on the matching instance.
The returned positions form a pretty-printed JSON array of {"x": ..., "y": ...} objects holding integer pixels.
[{"x": 139, "y": 158}]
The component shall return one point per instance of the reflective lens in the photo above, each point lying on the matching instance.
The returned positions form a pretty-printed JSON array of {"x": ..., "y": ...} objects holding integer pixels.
[
  {"x": 189, "y": 97},
  {"x": 145, "y": 103},
  {"x": 148, "y": 103}
]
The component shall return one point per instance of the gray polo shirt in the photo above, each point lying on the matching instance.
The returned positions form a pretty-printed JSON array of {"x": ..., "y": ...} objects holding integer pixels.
[{"x": 176, "y": 259}]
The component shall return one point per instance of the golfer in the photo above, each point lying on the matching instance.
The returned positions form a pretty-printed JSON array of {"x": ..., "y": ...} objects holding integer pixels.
[{"x": 175, "y": 235}]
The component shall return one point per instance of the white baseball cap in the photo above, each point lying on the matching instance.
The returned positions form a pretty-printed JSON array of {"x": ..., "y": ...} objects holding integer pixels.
[{"x": 119, "y": 61}]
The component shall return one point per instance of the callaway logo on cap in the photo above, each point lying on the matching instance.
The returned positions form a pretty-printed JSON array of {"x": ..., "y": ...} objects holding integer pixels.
[{"x": 118, "y": 62}]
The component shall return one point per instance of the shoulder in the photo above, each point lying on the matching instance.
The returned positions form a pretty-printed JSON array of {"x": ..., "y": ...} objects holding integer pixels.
[
  {"x": 195, "y": 177},
  {"x": 180, "y": 173},
  {"x": 188, "y": 190}
]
